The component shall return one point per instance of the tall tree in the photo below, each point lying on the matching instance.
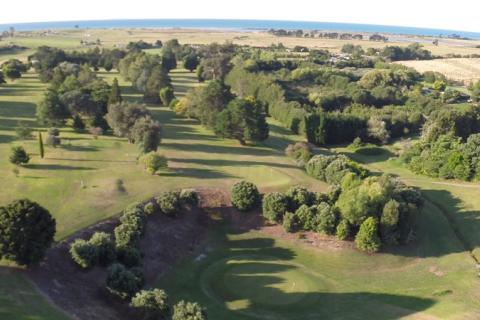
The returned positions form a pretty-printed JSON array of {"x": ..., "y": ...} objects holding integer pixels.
[
  {"x": 244, "y": 120},
  {"x": 121, "y": 117},
  {"x": 40, "y": 145},
  {"x": 115, "y": 94},
  {"x": 51, "y": 110}
]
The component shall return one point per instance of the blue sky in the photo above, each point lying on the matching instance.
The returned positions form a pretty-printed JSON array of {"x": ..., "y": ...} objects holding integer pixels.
[{"x": 443, "y": 14}]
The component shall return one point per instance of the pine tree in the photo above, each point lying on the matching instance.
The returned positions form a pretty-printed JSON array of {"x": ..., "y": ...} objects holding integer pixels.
[
  {"x": 40, "y": 145},
  {"x": 115, "y": 94}
]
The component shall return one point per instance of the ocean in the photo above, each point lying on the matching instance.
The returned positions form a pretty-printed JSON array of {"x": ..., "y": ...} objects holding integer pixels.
[{"x": 237, "y": 25}]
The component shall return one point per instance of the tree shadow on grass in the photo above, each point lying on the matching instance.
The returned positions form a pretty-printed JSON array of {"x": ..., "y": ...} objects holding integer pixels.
[
  {"x": 223, "y": 162},
  {"x": 93, "y": 160},
  {"x": 368, "y": 155},
  {"x": 196, "y": 173},
  {"x": 77, "y": 148},
  {"x": 6, "y": 139},
  {"x": 261, "y": 280},
  {"x": 207, "y": 148},
  {"x": 56, "y": 167}
]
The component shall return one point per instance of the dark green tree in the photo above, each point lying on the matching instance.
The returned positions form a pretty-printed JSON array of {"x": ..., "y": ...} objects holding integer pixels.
[
  {"x": 51, "y": 111},
  {"x": 123, "y": 282},
  {"x": 26, "y": 232},
  {"x": 274, "y": 206},
  {"x": 115, "y": 94},
  {"x": 146, "y": 132},
  {"x": 245, "y": 196},
  {"x": 19, "y": 156},
  {"x": 191, "y": 61},
  {"x": 40, "y": 145}
]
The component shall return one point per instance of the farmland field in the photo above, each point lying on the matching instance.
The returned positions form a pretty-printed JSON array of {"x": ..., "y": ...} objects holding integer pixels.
[{"x": 464, "y": 70}]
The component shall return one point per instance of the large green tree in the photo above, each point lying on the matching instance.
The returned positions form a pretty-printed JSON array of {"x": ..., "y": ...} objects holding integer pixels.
[{"x": 26, "y": 232}]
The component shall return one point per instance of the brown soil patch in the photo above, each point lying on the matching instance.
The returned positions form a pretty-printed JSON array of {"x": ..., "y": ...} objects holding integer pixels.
[{"x": 83, "y": 295}]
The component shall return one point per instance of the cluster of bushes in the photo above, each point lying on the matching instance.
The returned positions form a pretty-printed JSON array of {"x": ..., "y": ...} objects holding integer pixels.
[
  {"x": 414, "y": 51},
  {"x": 446, "y": 157},
  {"x": 333, "y": 168},
  {"x": 121, "y": 253},
  {"x": 373, "y": 211}
]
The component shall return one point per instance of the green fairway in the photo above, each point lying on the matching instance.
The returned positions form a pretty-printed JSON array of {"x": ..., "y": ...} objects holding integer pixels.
[{"x": 249, "y": 275}]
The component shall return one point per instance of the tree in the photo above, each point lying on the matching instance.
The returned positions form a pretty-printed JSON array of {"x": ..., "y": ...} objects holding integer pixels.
[
  {"x": 83, "y": 253},
  {"x": 147, "y": 133},
  {"x": 244, "y": 120},
  {"x": 157, "y": 79},
  {"x": 153, "y": 162},
  {"x": 104, "y": 246},
  {"x": 26, "y": 232},
  {"x": 169, "y": 203},
  {"x": 41, "y": 150},
  {"x": 51, "y": 110},
  {"x": 343, "y": 230},
  {"x": 78, "y": 125},
  {"x": 121, "y": 117},
  {"x": 245, "y": 196},
  {"x": 326, "y": 218},
  {"x": 122, "y": 281},
  {"x": 367, "y": 238},
  {"x": 19, "y": 156},
  {"x": 167, "y": 95},
  {"x": 290, "y": 222},
  {"x": 13, "y": 69},
  {"x": 274, "y": 206},
  {"x": 189, "y": 311},
  {"x": 169, "y": 62},
  {"x": 115, "y": 94},
  {"x": 53, "y": 138},
  {"x": 151, "y": 304},
  {"x": 298, "y": 196},
  {"x": 2, "y": 78},
  {"x": 190, "y": 62}
]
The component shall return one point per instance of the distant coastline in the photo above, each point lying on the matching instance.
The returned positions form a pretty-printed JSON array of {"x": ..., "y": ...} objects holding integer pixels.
[{"x": 237, "y": 25}]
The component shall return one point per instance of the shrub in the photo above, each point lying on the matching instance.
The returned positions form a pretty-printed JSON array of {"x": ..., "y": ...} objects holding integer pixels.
[
  {"x": 150, "y": 208},
  {"x": 23, "y": 131},
  {"x": 84, "y": 253},
  {"x": 326, "y": 218},
  {"x": 306, "y": 218},
  {"x": 135, "y": 217},
  {"x": 300, "y": 152},
  {"x": 122, "y": 281},
  {"x": 189, "y": 311},
  {"x": 274, "y": 206},
  {"x": 129, "y": 256},
  {"x": 367, "y": 238},
  {"x": 53, "y": 137},
  {"x": 290, "y": 222},
  {"x": 298, "y": 196},
  {"x": 151, "y": 304},
  {"x": 169, "y": 203},
  {"x": 343, "y": 230},
  {"x": 19, "y": 156},
  {"x": 26, "y": 232},
  {"x": 127, "y": 235},
  {"x": 189, "y": 196},
  {"x": 245, "y": 196},
  {"x": 153, "y": 162},
  {"x": 104, "y": 246}
]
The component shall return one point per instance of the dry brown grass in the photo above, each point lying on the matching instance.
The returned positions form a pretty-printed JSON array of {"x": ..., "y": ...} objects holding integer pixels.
[{"x": 462, "y": 69}]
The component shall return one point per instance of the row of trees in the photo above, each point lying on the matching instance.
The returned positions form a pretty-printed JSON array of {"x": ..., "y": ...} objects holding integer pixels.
[{"x": 122, "y": 253}]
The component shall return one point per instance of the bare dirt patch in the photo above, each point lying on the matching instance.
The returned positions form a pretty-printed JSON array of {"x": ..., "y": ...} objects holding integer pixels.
[{"x": 83, "y": 294}]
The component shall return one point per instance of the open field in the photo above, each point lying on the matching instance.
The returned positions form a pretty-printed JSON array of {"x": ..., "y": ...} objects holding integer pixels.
[
  {"x": 464, "y": 70},
  {"x": 70, "y": 39}
]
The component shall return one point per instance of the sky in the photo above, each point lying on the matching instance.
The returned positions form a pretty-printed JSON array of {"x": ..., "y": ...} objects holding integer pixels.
[{"x": 463, "y": 15}]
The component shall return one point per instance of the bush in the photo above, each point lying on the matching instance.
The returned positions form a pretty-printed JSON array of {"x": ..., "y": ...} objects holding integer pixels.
[
  {"x": 245, "y": 196},
  {"x": 300, "y": 152},
  {"x": 104, "y": 246},
  {"x": 332, "y": 169},
  {"x": 326, "y": 218},
  {"x": 306, "y": 218},
  {"x": 274, "y": 206},
  {"x": 151, "y": 208},
  {"x": 23, "y": 131},
  {"x": 367, "y": 238},
  {"x": 53, "y": 137},
  {"x": 343, "y": 230},
  {"x": 189, "y": 311},
  {"x": 290, "y": 222},
  {"x": 129, "y": 256},
  {"x": 153, "y": 162},
  {"x": 151, "y": 304},
  {"x": 189, "y": 196},
  {"x": 84, "y": 253},
  {"x": 135, "y": 217},
  {"x": 127, "y": 235},
  {"x": 122, "y": 281},
  {"x": 298, "y": 196},
  {"x": 26, "y": 232},
  {"x": 169, "y": 203},
  {"x": 19, "y": 156}
]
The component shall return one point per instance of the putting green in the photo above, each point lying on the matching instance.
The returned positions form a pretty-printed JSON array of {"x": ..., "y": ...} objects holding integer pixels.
[{"x": 261, "y": 283}]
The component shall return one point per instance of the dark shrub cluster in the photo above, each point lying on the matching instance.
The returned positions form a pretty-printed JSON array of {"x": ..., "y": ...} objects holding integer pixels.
[
  {"x": 245, "y": 196},
  {"x": 332, "y": 168}
]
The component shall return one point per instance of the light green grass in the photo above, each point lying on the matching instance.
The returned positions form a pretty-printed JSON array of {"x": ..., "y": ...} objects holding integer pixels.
[{"x": 249, "y": 275}]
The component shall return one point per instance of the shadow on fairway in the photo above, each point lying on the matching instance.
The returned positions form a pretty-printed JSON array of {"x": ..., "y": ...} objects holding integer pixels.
[{"x": 55, "y": 167}]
